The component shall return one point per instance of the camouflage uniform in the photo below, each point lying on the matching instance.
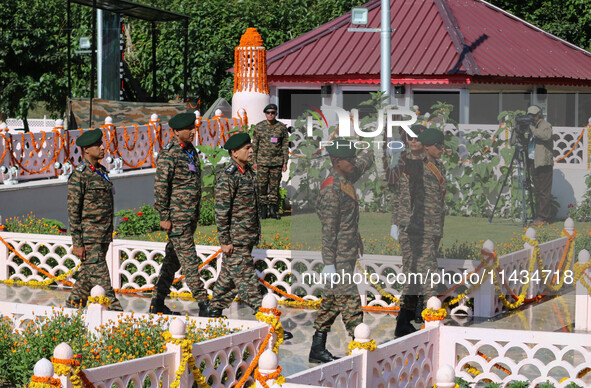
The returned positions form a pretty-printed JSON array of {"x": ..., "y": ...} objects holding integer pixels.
[
  {"x": 338, "y": 211},
  {"x": 90, "y": 210},
  {"x": 421, "y": 215},
  {"x": 236, "y": 217},
  {"x": 271, "y": 152},
  {"x": 177, "y": 197}
]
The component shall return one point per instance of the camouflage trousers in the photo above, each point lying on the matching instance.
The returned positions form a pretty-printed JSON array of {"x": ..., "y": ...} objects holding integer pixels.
[
  {"x": 238, "y": 276},
  {"x": 342, "y": 299},
  {"x": 419, "y": 258},
  {"x": 180, "y": 251},
  {"x": 268, "y": 180},
  {"x": 92, "y": 272}
]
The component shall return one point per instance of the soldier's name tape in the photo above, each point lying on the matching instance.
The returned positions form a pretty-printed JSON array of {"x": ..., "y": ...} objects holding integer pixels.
[{"x": 441, "y": 277}]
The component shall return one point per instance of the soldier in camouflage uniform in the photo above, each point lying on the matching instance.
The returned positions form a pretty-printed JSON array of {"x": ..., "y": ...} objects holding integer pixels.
[
  {"x": 239, "y": 228},
  {"x": 421, "y": 215},
  {"x": 338, "y": 211},
  {"x": 271, "y": 152},
  {"x": 177, "y": 197},
  {"x": 90, "y": 211}
]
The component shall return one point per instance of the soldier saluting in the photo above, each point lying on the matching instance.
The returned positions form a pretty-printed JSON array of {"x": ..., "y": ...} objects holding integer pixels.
[
  {"x": 177, "y": 197},
  {"x": 90, "y": 212},
  {"x": 338, "y": 210}
]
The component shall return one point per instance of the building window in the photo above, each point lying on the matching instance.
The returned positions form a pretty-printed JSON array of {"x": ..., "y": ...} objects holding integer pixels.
[
  {"x": 484, "y": 108},
  {"x": 584, "y": 109},
  {"x": 515, "y": 101},
  {"x": 352, "y": 99},
  {"x": 561, "y": 109},
  {"x": 293, "y": 103},
  {"x": 425, "y": 100}
]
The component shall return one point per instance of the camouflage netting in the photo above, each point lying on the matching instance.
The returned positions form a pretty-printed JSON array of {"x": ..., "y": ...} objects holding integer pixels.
[{"x": 122, "y": 112}]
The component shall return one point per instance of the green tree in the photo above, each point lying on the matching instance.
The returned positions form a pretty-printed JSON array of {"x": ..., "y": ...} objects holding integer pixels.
[
  {"x": 567, "y": 19},
  {"x": 33, "y": 56}
]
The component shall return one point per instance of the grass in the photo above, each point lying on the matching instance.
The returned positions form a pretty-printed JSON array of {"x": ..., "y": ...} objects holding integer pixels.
[{"x": 463, "y": 236}]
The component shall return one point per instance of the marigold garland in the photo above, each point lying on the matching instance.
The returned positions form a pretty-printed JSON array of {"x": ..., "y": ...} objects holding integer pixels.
[
  {"x": 279, "y": 380},
  {"x": 71, "y": 368},
  {"x": 370, "y": 346},
  {"x": 273, "y": 322},
  {"x": 43, "y": 382},
  {"x": 187, "y": 358},
  {"x": 430, "y": 314},
  {"x": 104, "y": 300}
]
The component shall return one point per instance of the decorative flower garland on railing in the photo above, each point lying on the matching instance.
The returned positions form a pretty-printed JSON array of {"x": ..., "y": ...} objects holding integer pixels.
[
  {"x": 430, "y": 314},
  {"x": 44, "y": 382},
  {"x": 276, "y": 326},
  {"x": 104, "y": 300},
  {"x": 455, "y": 386},
  {"x": 71, "y": 368},
  {"x": 279, "y": 379},
  {"x": 187, "y": 358},
  {"x": 370, "y": 346},
  {"x": 580, "y": 275},
  {"x": 566, "y": 259},
  {"x": 379, "y": 288}
]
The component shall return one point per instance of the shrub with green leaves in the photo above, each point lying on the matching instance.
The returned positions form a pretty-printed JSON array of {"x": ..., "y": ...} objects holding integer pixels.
[
  {"x": 31, "y": 224},
  {"x": 135, "y": 222},
  {"x": 582, "y": 212}
]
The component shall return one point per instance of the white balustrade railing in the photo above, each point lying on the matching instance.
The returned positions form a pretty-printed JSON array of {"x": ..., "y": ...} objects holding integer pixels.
[
  {"x": 37, "y": 153},
  {"x": 135, "y": 265}
]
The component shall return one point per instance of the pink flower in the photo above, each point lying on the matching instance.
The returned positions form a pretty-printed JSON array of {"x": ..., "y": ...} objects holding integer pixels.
[
  {"x": 571, "y": 205},
  {"x": 125, "y": 218},
  {"x": 140, "y": 213}
]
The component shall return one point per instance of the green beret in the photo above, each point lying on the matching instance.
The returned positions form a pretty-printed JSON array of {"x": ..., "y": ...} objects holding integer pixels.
[
  {"x": 270, "y": 106},
  {"x": 430, "y": 136},
  {"x": 88, "y": 138},
  {"x": 417, "y": 128},
  {"x": 182, "y": 121},
  {"x": 236, "y": 141},
  {"x": 342, "y": 149}
]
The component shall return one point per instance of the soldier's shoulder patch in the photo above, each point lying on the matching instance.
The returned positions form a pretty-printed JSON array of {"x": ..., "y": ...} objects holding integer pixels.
[
  {"x": 168, "y": 146},
  {"x": 81, "y": 167},
  {"x": 231, "y": 169},
  {"x": 329, "y": 181}
]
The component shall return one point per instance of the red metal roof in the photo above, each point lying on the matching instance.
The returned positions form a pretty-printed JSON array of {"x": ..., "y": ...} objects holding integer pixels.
[{"x": 435, "y": 41}]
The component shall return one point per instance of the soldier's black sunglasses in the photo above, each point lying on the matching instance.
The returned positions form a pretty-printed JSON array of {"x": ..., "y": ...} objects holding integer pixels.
[{"x": 270, "y": 112}]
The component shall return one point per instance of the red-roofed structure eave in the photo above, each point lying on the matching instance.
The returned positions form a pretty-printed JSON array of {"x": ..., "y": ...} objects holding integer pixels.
[
  {"x": 435, "y": 80},
  {"x": 465, "y": 38}
]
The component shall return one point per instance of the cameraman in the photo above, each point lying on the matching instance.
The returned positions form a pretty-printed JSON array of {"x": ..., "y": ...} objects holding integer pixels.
[{"x": 543, "y": 162}]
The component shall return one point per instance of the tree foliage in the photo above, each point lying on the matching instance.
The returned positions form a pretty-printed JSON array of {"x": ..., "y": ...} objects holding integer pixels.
[
  {"x": 567, "y": 19},
  {"x": 33, "y": 42}
]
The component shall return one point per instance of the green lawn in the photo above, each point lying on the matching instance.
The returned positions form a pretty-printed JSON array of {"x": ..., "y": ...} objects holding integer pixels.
[{"x": 463, "y": 236}]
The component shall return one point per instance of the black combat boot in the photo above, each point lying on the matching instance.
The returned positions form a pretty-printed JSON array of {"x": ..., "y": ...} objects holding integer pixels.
[
  {"x": 318, "y": 352},
  {"x": 158, "y": 307},
  {"x": 287, "y": 335},
  {"x": 264, "y": 214},
  {"x": 403, "y": 325},
  {"x": 212, "y": 312},
  {"x": 273, "y": 213},
  {"x": 203, "y": 308},
  {"x": 419, "y": 310}
]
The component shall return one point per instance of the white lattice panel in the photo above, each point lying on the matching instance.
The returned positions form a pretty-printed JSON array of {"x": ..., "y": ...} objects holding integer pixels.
[
  {"x": 142, "y": 372},
  {"x": 343, "y": 373},
  {"x": 527, "y": 355},
  {"x": 405, "y": 362},
  {"x": 50, "y": 253}
]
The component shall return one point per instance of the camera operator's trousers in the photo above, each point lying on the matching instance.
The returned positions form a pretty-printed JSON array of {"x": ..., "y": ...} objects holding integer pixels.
[{"x": 543, "y": 189}]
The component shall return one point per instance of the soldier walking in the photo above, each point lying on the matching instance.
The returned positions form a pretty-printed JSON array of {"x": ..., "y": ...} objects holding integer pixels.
[
  {"x": 271, "y": 153},
  {"x": 239, "y": 228},
  {"x": 338, "y": 210},
  {"x": 177, "y": 197},
  {"x": 90, "y": 212},
  {"x": 421, "y": 215}
]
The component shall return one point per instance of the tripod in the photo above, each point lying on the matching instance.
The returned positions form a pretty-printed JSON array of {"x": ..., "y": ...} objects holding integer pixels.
[{"x": 525, "y": 181}]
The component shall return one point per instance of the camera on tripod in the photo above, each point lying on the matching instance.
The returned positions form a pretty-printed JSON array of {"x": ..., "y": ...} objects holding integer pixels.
[{"x": 521, "y": 130}]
